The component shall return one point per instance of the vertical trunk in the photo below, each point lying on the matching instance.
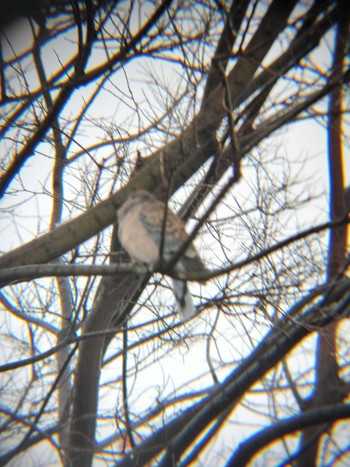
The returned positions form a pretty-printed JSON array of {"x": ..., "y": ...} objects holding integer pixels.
[
  {"x": 329, "y": 388},
  {"x": 114, "y": 299}
]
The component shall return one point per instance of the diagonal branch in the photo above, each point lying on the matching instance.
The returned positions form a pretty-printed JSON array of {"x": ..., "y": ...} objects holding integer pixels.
[
  {"x": 78, "y": 79},
  {"x": 83, "y": 227},
  {"x": 301, "y": 320},
  {"x": 254, "y": 444},
  {"x": 120, "y": 269}
]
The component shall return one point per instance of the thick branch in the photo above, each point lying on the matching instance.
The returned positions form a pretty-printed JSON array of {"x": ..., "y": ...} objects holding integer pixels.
[
  {"x": 24, "y": 273},
  {"x": 227, "y": 40},
  {"x": 77, "y": 79},
  {"x": 288, "y": 332},
  {"x": 253, "y": 445},
  {"x": 329, "y": 388},
  {"x": 187, "y": 147}
]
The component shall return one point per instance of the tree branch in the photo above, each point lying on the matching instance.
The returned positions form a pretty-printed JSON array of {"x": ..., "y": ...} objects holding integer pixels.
[{"x": 247, "y": 450}]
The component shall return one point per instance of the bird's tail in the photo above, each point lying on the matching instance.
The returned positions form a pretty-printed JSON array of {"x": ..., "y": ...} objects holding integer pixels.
[{"x": 183, "y": 299}]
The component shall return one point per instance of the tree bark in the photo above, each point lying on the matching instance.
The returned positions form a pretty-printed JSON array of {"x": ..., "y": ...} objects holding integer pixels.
[{"x": 329, "y": 387}]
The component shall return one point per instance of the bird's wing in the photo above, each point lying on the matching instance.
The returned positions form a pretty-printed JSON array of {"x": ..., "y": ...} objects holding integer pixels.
[{"x": 152, "y": 217}]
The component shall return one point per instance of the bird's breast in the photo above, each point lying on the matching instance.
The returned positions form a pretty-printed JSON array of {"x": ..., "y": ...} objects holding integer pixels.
[{"x": 136, "y": 240}]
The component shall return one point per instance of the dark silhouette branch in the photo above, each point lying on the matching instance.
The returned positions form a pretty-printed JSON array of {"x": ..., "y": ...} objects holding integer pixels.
[
  {"x": 301, "y": 320},
  {"x": 329, "y": 387},
  {"x": 247, "y": 450},
  {"x": 25, "y": 273}
]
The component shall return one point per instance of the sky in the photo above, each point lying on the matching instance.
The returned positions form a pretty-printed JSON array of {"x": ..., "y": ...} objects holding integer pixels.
[{"x": 304, "y": 144}]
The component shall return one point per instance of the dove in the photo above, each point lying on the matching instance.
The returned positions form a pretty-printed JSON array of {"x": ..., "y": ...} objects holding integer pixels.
[{"x": 141, "y": 226}]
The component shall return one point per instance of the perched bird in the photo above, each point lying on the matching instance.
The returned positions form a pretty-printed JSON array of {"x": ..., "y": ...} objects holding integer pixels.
[{"x": 140, "y": 230}]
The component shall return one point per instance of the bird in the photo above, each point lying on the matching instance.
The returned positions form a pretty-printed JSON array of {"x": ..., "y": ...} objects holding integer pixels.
[{"x": 142, "y": 222}]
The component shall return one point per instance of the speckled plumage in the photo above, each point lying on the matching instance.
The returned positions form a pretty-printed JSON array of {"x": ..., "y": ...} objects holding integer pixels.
[{"x": 141, "y": 226}]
